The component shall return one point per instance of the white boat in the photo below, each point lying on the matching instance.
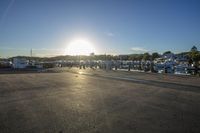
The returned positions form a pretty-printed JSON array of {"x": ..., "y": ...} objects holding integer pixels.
[{"x": 181, "y": 69}]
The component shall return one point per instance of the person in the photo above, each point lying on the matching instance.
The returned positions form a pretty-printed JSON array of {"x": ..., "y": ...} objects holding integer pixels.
[
  {"x": 115, "y": 65},
  {"x": 152, "y": 66},
  {"x": 195, "y": 69},
  {"x": 165, "y": 68},
  {"x": 129, "y": 67}
]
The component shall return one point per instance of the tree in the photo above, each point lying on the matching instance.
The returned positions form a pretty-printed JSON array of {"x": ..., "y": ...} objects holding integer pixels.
[
  {"x": 155, "y": 55},
  {"x": 146, "y": 56},
  {"x": 133, "y": 57},
  {"x": 139, "y": 57},
  {"x": 195, "y": 56},
  {"x": 194, "y": 49},
  {"x": 167, "y": 52},
  {"x": 190, "y": 61}
]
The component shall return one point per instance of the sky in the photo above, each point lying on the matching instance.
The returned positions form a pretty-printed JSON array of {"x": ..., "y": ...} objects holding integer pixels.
[{"x": 111, "y": 26}]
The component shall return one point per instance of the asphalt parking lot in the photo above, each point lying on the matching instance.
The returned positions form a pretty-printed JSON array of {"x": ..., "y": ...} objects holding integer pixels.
[{"x": 94, "y": 102}]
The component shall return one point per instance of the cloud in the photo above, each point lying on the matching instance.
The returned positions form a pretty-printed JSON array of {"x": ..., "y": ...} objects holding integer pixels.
[
  {"x": 110, "y": 34},
  {"x": 139, "y": 49}
]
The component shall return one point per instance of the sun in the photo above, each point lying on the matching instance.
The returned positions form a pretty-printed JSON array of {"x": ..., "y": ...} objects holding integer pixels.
[{"x": 80, "y": 47}]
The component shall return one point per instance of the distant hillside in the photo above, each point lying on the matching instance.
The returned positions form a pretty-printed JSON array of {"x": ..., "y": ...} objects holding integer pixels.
[{"x": 100, "y": 57}]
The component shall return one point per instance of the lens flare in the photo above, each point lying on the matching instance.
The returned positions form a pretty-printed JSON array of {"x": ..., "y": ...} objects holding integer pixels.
[{"x": 80, "y": 47}]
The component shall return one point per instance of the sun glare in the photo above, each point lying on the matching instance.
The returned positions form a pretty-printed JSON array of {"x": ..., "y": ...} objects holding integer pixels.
[{"x": 80, "y": 47}]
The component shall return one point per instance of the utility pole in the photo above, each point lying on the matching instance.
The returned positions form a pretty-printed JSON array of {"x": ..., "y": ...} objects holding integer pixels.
[
  {"x": 31, "y": 52},
  {"x": 30, "y": 61}
]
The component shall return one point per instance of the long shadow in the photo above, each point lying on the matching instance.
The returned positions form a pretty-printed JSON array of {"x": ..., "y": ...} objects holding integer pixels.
[{"x": 168, "y": 85}]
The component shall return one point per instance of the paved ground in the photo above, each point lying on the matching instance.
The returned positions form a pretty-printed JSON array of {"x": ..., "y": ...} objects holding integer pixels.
[{"x": 99, "y": 102}]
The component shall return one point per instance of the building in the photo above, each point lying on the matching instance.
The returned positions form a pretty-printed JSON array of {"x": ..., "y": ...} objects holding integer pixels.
[
  {"x": 169, "y": 56},
  {"x": 20, "y": 63},
  {"x": 194, "y": 49}
]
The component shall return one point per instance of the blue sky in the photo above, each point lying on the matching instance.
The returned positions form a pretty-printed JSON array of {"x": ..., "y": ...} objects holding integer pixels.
[{"x": 112, "y": 26}]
